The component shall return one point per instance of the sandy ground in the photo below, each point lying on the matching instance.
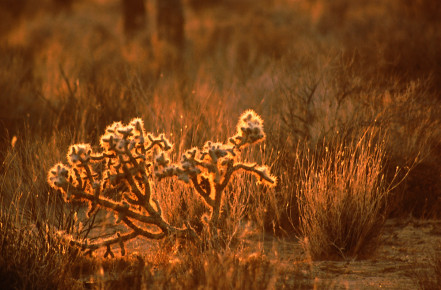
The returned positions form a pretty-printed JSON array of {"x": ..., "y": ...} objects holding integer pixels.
[{"x": 406, "y": 246}]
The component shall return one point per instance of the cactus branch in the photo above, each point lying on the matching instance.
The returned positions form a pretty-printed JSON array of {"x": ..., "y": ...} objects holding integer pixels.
[
  {"x": 105, "y": 243},
  {"x": 204, "y": 192},
  {"x": 260, "y": 172}
]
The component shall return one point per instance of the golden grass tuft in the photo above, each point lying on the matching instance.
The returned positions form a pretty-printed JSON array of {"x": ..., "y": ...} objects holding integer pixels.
[{"x": 342, "y": 196}]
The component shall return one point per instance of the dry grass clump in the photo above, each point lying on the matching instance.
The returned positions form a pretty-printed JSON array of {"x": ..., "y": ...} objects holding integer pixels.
[
  {"x": 31, "y": 255},
  {"x": 342, "y": 195}
]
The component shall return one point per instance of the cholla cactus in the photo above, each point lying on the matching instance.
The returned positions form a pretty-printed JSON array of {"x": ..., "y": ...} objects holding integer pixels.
[
  {"x": 209, "y": 170},
  {"x": 129, "y": 161}
]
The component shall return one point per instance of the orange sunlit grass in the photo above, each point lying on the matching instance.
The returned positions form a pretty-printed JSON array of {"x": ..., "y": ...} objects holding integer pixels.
[{"x": 342, "y": 195}]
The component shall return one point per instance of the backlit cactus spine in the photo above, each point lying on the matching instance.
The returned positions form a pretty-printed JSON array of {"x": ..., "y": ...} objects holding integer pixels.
[{"x": 128, "y": 161}]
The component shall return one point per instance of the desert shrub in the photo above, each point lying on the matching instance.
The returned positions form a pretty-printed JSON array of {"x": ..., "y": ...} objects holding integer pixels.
[
  {"x": 319, "y": 101},
  {"x": 412, "y": 118},
  {"x": 342, "y": 194},
  {"x": 32, "y": 254},
  {"x": 119, "y": 178}
]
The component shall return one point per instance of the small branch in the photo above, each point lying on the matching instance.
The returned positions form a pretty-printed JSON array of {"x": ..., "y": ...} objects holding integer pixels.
[
  {"x": 158, "y": 206},
  {"x": 105, "y": 243},
  {"x": 66, "y": 80},
  {"x": 109, "y": 252},
  {"x": 79, "y": 179},
  {"x": 86, "y": 167},
  {"x": 229, "y": 172},
  {"x": 135, "y": 189},
  {"x": 101, "y": 156},
  {"x": 252, "y": 169},
  {"x": 109, "y": 204},
  {"x": 139, "y": 231},
  {"x": 121, "y": 244},
  {"x": 205, "y": 194},
  {"x": 216, "y": 207},
  {"x": 162, "y": 143}
]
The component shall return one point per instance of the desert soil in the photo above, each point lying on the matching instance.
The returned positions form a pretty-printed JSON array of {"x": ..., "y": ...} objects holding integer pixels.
[{"x": 406, "y": 247}]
